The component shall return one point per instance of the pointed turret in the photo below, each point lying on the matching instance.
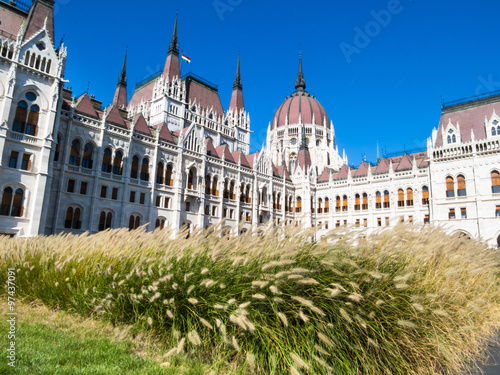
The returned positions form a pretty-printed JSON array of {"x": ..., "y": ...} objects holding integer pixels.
[
  {"x": 300, "y": 83},
  {"x": 237, "y": 103},
  {"x": 304, "y": 157},
  {"x": 41, "y": 16},
  {"x": 120, "y": 98},
  {"x": 172, "y": 66}
]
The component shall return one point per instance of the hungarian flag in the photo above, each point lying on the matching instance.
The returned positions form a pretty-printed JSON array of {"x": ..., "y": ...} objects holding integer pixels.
[{"x": 186, "y": 59}]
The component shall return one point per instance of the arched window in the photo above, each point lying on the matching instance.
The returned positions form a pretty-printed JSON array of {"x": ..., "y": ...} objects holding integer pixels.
[
  {"x": 191, "y": 183},
  {"x": 327, "y": 205},
  {"x": 118, "y": 163},
  {"x": 58, "y": 147},
  {"x": 231, "y": 190},
  {"x": 425, "y": 195},
  {"x": 17, "y": 203},
  {"x": 160, "y": 178},
  {"x": 160, "y": 223},
  {"x": 462, "y": 191},
  {"x": 106, "y": 160},
  {"x": 320, "y": 206},
  {"x": 299, "y": 204},
  {"x": 357, "y": 204},
  {"x": 215, "y": 192},
  {"x": 74, "y": 156},
  {"x": 168, "y": 175},
  {"x": 344, "y": 203},
  {"x": 453, "y": 138},
  {"x": 387, "y": 199},
  {"x": 32, "y": 123},
  {"x": 87, "y": 156},
  {"x": 72, "y": 220},
  {"x": 249, "y": 199},
  {"x": 449, "y": 139},
  {"x": 145, "y": 170},
  {"x": 226, "y": 189},
  {"x": 278, "y": 201},
  {"x": 263, "y": 197},
  {"x": 20, "y": 117},
  {"x": 274, "y": 200},
  {"x": 495, "y": 182},
  {"x": 378, "y": 200},
  {"x": 450, "y": 187},
  {"x": 105, "y": 220},
  {"x": 208, "y": 184},
  {"x": 134, "y": 222},
  {"x": 242, "y": 193},
  {"x": 134, "y": 167},
  {"x": 337, "y": 204},
  {"x": 409, "y": 197},
  {"x": 493, "y": 131},
  {"x": 401, "y": 198},
  {"x": 365, "y": 201},
  {"x": 6, "y": 201}
]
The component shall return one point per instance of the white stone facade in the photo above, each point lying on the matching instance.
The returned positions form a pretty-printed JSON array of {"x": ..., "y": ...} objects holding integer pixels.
[{"x": 172, "y": 157}]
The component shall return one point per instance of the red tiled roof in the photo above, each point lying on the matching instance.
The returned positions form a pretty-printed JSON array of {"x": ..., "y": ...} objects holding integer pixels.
[
  {"x": 251, "y": 159},
  {"x": 204, "y": 96},
  {"x": 11, "y": 21},
  {"x": 404, "y": 163},
  {"x": 282, "y": 169},
  {"x": 325, "y": 176},
  {"x": 244, "y": 162},
  {"x": 142, "y": 92},
  {"x": 165, "y": 134},
  {"x": 304, "y": 159},
  {"x": 211, "y": 149},
  {"x": 344, "y": 171},
  {"x": 172, "y": 67},
  {"x": 275, "y": 170},
  {"x": 141, "y": 126},
  {"x": 300, "y": 103},
  {"x": 224, "y": 153},
  {"x": 36, "y": 19},
  {"x": 362, "y": 169},
  {"x": 382, "y": 167},
  {"x": 84, "y": 106},
  {"x": 237, "y": 103},
  {"x": 115, "y": 117},
  {"x": 471, "y": 118}
]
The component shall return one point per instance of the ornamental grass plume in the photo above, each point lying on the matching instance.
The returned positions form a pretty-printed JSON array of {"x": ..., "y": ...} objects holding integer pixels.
[{"x": 408, "y": 300}]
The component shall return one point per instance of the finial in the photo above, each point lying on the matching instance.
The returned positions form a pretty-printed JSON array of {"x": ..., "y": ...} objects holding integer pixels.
[
  {"x": 300, "y": 83},
  {"x": 237, "y": 80},
  {"x": 123, "y": 75},
  {"x": 174, "y": 46}
]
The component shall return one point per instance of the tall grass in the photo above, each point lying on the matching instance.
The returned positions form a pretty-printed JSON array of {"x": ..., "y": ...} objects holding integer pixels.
[{"x": 402, "y": 302}]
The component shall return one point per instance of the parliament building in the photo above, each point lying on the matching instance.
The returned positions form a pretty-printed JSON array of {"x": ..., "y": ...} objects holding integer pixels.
[{"x": 172, "y": 156}]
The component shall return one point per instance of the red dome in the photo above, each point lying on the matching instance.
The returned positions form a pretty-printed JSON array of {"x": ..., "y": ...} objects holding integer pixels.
[{"x": 301, "y": 102}]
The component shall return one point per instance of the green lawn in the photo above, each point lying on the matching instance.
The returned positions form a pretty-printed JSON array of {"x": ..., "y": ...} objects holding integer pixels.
[{"x": 57, "y": 343}]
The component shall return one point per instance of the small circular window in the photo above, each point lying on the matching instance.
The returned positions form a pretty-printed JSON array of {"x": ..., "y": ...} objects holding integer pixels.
[
  {"x": 30, "y": 96},
  {"x": 294, "y": 141}
]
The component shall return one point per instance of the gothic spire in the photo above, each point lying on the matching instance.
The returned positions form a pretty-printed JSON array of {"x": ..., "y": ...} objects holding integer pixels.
[
  {"x": 237, "y": 80},
  {"x": 120, "y": 98},
  {"x": 237, "y": 103},
  {"x": 123, "y": 75},
  {"x": 174, "y": 46},
  {"x": 172, "y": 66},
  {"x": 300, "y": 83}
]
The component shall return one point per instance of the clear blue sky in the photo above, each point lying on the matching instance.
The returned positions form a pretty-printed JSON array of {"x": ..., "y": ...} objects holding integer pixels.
[{"x": 386, "y": 86}]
